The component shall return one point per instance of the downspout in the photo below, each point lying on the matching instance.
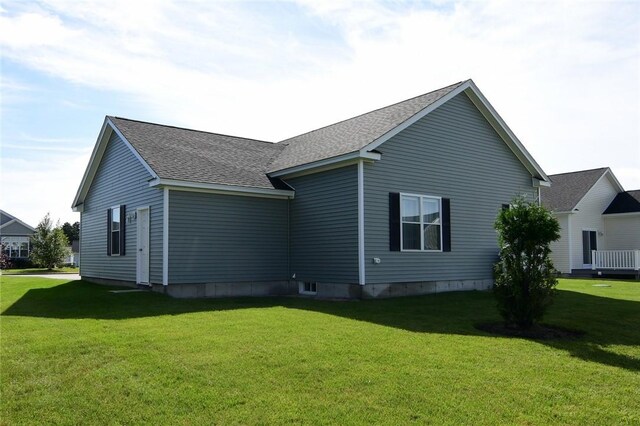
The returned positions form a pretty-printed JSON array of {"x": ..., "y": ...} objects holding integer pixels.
[
  {"x": 361, "y": 266},
  {"x": 165, "y": 238}
]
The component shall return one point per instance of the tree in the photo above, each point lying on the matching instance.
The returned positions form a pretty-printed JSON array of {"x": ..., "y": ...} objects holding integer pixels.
[
  {"x": 71, "y": 231},
  {"x": 525, "y": 278},
  {"x": 49, "y": 245}
]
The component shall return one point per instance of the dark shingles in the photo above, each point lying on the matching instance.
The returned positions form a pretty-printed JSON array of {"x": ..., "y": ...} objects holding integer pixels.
[
  {"x": 203, "y": 157},
  {"x": 567, "y": 189},
  {"x": 353, "y": 134},
  {"x": 194, "y": 156},
  {"x": 625, "y": 202}
]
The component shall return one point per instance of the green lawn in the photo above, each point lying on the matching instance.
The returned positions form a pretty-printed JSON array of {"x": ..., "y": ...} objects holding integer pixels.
[
  {"x": 74, "y": 353},
  {"x": 40, "y": 271}
]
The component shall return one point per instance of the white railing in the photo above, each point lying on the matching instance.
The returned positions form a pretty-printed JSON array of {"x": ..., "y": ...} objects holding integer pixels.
[{"x": 615, "y": 259}]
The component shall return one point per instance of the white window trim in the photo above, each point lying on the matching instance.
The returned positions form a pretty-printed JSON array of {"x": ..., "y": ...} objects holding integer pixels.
[
  {"x": 421, "y": 197},
  {"x": 112, "y": 254}
]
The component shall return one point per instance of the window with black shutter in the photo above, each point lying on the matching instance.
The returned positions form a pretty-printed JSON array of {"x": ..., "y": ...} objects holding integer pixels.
[
  {"x": 116, "y": 231},
  {"x": 419, "y": 223}
]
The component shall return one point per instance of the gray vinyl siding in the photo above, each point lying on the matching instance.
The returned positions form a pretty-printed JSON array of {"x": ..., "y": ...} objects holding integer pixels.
[
  {"x": 4, "y": 219},
  {"x": 15, "y": 228},
  {"x": 224, "y": 238},
  {"x": 453, "y": 153},
  {"x": 324, "y": 226},
  {"x": 120, "y": 179}
]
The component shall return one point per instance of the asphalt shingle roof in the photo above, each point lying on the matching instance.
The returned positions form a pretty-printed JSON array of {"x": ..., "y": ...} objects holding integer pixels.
[
  {"x": 352, "y": 134},
  {"x": 204, "y": 157},
  {"x": 567, "y": 189},
  {"x": 625, "y": 202},
  {"x": 195, "y": 156}
]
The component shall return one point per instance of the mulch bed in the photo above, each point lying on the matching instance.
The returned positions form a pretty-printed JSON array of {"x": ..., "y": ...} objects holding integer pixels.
[{"x": 537, "y": 332}]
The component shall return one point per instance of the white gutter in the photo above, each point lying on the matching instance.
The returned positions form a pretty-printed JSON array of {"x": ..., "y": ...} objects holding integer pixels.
[
  {"x": 180, "y": 185},
  {"x": 361, "y": 265},
  {"x": 357, "y": 155}
]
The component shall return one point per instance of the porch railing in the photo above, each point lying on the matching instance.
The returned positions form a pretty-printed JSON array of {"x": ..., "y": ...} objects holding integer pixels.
[{"x": 615, "y": 259}]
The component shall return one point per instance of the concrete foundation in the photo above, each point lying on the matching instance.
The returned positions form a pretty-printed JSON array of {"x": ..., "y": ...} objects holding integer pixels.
[
  {"x": 105, "y": 281},
  {"x": 218, "y": 290},
  {"x": 324, "y": 290}
]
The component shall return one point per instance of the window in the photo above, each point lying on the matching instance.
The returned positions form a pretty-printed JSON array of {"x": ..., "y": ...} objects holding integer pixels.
[
  {"x": 308, "y": 288},
  {"x": 421, "y": 223},
  {"x": 115, "y": 231},
  {"x": 16, "y": 247}
]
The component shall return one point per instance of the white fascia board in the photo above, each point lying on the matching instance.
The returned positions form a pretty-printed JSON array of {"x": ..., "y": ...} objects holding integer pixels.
[
  {"x": 94, "y": 160},
  {"x": 16, "y": 220},
  {"x": 391, "y": 133},
  {"x": 537, "y": 183},
  {"x": 7, "y": 214},
  {"x": 132, "y": 149},
  {"x": 615, "y": 183},
  {"x": 615, "y": 180},
  {"x": 347, "y": 159},
  {"x": 96, "y": 156},
  {"x": 179, "y": 185},
  {"x": 505, "y": 132}
]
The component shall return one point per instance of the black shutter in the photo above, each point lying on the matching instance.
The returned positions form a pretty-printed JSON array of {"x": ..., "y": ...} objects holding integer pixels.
[
  {"x": 446, "y": 224},
  {"x": 394, "y": 221},
  {"x": 123, "y": 215},
  {"x": 108, "y": 232}
]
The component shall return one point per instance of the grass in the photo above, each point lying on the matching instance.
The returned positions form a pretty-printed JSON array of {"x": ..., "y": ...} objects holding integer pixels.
[
  {"x": 40, "y": 271},
  {"x": 74, "y": 353}
]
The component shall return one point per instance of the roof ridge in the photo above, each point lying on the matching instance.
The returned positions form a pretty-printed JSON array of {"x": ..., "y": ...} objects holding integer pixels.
[
  {"x": 369, "y": 112},
  {"x": 191, "y": 130},
  {"x": 580, "y": 171}
]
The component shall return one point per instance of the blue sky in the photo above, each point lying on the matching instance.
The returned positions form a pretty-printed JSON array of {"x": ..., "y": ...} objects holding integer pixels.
[{"x": 564, "y": 75}]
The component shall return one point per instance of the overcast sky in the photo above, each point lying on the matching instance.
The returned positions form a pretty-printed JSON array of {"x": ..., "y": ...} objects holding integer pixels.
[{"x": 565, "y": 76}]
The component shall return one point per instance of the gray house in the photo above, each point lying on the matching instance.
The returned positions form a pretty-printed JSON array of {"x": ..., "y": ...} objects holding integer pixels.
[
  {"x": 15, "y": 236},
  {"x": 397, "y": 201}
]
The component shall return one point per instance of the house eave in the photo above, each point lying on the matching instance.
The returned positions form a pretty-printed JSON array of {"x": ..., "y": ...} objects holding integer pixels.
[
  {"x": 108, "y": 127},
  {"x": 214, "y": 188},
  {"x": 327, "y": 164}
]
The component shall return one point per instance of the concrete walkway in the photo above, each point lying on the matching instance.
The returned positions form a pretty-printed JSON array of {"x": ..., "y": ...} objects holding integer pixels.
[{"x": 70, "y": 277}]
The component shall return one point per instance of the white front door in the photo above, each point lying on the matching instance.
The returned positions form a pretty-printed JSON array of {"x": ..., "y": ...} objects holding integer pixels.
[{"x": 142, "y": 254}]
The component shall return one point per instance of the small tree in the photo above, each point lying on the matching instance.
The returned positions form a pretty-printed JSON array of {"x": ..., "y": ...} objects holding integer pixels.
[
  {"x": 525, "y": 278},
  {"x": 49, "y": 245}
]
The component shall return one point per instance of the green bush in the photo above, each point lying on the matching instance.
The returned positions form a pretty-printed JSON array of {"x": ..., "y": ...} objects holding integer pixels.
[
  {"x": 49, "y": 245},
  {"x": 525, "y": 278}
]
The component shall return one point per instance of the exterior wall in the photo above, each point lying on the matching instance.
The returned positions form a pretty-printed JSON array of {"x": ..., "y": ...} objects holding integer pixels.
[
  {"x": 15, "y": 228},
  {"x": 226, "y": 239},
  {"x": 4, "y": 219},
  {"x": 589, "y": 217},
  {"x": 560, "y": 248},
  {"x": 120, "y": 179},
  {"x": 324, "y": 226},
  {"x": 622, "y": 232},
  {"x": 454, "y": 153}
]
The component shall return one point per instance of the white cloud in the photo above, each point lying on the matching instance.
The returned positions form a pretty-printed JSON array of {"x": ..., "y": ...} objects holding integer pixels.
[{"x": 564, "y": 75}]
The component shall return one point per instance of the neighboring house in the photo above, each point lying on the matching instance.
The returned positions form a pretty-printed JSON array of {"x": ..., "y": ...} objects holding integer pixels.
[
  {"x": 74, "y": 254},
  {"x": 596, "y": 217},
  {"x": 15, "y": 236},
  {"x": 397, "y": 201}
]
